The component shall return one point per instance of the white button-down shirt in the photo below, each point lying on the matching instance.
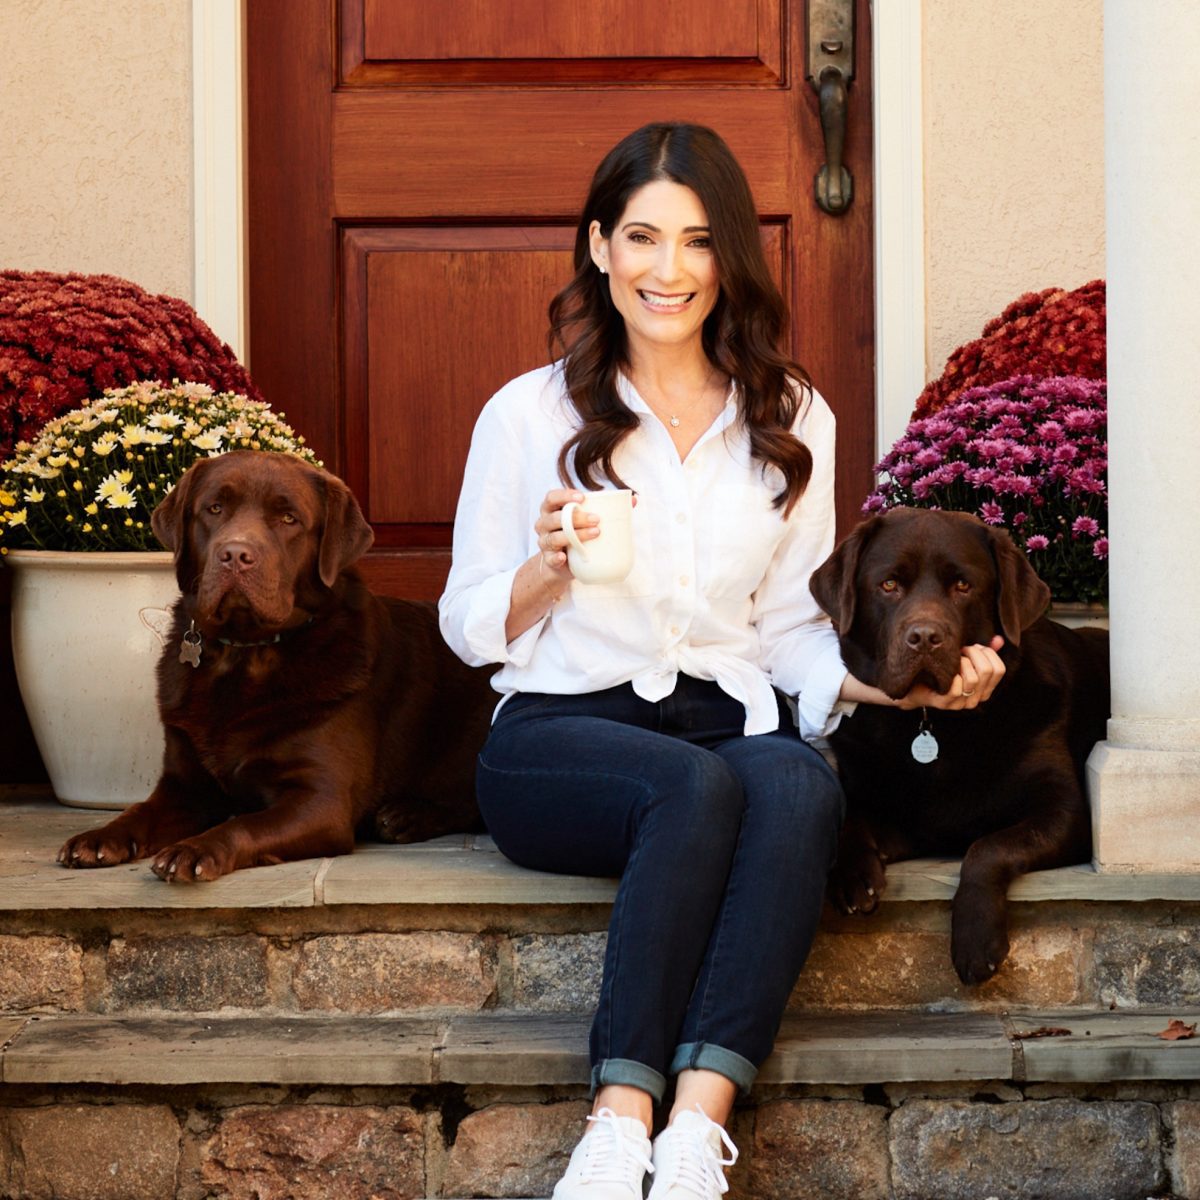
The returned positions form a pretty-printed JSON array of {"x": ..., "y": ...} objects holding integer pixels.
[{"x": 719, "y": 587}]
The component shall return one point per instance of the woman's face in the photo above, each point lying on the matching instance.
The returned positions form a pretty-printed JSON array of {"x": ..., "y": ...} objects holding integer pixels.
[{"x": 660, "y": 264}]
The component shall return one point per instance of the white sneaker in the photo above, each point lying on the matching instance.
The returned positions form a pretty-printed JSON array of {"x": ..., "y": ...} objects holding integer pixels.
[
  {"x": 687, "y": 1159},
  {"x": 610, "y": 1161}
]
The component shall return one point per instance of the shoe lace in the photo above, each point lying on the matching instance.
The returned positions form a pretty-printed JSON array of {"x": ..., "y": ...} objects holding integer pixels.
[
  {"x": 610, "y": 1156},
  {"x": 697, "y": 1166}
]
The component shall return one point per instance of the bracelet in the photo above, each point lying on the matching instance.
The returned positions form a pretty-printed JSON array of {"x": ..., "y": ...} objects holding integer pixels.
[{"x": 545, "y": 585}]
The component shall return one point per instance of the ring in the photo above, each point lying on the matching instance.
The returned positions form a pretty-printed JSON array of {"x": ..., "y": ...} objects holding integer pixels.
[{"x": 966, "y": 694}]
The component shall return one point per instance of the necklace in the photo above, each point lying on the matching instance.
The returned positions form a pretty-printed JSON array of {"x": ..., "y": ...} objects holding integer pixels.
[{"x": 674, "y": 419}]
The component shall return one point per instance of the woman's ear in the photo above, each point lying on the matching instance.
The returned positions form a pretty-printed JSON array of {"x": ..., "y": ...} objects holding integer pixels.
[{"x": 599, "y": 246}]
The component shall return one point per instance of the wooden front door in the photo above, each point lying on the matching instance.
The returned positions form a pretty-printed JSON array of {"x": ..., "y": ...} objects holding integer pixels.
[{"x": 416, "y": 168}]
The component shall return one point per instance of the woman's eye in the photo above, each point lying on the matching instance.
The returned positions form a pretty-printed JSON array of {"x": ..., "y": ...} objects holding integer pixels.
[
  {"x": 889, "y": 586},
  {"x": 641, "y": 239},
  {"x": 701, "y": 244}
]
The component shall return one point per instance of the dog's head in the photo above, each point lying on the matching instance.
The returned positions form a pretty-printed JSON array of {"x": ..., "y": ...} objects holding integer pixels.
[
  {"x": 259, "y": 539},
  {"x": 908, "y": 589}
]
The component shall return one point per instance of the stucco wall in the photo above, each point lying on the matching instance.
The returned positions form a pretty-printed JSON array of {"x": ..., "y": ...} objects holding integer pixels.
[
  {"x": 1014, "y": 157},
  {"x": 96, "y": 140}
]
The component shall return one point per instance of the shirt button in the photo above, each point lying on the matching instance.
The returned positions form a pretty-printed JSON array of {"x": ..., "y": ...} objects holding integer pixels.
[
  {"x": 674, "y": 630},
  {"x": 681, "y": 518},
  {"x": 683, "y": 581}
]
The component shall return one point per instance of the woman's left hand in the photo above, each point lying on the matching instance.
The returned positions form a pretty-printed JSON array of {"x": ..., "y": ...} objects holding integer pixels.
[{"x": 979, "y": 674}]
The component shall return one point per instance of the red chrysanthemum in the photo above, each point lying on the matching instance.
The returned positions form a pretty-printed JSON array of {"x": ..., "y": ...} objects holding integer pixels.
[
  {"x": 1047, "y": 334},
  {"x": 65, "y": 338}
]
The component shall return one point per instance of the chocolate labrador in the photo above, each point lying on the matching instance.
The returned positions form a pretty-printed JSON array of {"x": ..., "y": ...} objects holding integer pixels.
[
  {"x": 1002, "y": 784},
  {"x": 298, "y": 707}
]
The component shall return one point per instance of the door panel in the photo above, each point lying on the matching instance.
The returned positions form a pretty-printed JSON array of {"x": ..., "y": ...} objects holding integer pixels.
[
  {"x": 384, "y": 42},
  {"x": 414, "y": 184}
]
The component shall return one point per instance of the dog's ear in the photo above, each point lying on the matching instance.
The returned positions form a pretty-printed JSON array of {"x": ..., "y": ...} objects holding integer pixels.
[
  {"x": 345, "y": 534},
  {"x": 1021, "y": 597},
  {"x": 834, "y": 584},
  {"x": 172, "y": 527}
]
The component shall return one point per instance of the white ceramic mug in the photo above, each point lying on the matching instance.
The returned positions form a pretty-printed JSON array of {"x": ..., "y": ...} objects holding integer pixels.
[{"x": 608, "y": 558}]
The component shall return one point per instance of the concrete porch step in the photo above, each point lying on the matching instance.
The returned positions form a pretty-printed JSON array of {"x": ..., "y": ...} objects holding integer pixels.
[{"x": 537, "y": 1049}]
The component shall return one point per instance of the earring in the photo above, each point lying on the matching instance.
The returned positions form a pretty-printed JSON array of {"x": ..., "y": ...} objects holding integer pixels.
[{"x": 603, "y": 270}]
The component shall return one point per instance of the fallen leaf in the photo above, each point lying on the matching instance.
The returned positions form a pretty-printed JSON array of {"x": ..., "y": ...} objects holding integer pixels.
[
  {"x": 1044, "y": 1031},
  {"x": 1176, "y": 1030}
]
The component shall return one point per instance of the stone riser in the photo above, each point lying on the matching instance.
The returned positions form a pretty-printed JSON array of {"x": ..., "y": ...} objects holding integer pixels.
[
  {"x": 904, "y": 1143},
  {"x": 359, "y": 960},
  {"x": 405, "y": 1011}
]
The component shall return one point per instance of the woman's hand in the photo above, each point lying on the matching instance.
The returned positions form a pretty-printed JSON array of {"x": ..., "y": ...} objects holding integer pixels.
[
  {"x": 552, "y": 540},
  {"x": 542, "y": 580},
  {"x": 979, "y": 673}
]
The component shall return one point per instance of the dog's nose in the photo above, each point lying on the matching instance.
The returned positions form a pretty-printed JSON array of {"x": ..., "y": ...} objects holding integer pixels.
[
  {"x": 922, "y": 638},
  {"x": 238, "y": 556}
]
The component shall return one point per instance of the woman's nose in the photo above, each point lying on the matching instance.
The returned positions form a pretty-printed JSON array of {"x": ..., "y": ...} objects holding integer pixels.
[{"x": 670, "y": 262}]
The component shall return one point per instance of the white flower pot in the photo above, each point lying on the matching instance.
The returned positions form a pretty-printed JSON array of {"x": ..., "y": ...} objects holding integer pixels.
[{"x": 87, "y": 630}]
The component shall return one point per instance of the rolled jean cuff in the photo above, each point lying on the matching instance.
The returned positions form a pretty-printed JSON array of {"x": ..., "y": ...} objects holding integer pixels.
[
  {"x": 627, "y": 1073},
  {"x": 704, "y": 1056}
]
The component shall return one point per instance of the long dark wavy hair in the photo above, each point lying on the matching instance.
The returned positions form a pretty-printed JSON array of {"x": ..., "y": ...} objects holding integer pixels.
[{"x": 741, "y": 336}]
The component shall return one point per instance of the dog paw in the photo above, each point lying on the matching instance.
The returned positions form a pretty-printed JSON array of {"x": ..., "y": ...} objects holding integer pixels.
[
  {"x": 978, "y": 940},
  {"x": 856, "y": 884},
  {"x": 188, "y": 862},
  {"x": 401, "y": 823},
  {"x": 97, "y": 849}
]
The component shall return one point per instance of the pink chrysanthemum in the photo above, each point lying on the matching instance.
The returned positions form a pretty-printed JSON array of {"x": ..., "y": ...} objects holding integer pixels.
[{"x": 1026, "y": 454}]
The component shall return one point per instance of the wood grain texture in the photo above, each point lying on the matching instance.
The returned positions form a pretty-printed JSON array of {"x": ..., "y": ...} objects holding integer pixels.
[{"x": 392, "y": 43}]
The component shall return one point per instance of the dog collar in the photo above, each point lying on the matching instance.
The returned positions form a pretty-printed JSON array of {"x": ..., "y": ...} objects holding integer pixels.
[{"x": 193, "y": 643}]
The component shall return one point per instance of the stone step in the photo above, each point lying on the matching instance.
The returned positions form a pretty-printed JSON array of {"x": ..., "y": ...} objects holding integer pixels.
[
  {"x": 460, "y": 871},
  {"x": 513, "y": 1050},
  {"x": 452, "y": 926}
]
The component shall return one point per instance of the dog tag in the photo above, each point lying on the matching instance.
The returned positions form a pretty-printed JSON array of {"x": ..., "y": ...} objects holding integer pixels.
[
  {"x": 189, "y": 648},
  {"x": 925, "y": 747}
]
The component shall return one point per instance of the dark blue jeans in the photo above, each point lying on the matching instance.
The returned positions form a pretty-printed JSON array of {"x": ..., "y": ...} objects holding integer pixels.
[{"x": 722, "y": 843}]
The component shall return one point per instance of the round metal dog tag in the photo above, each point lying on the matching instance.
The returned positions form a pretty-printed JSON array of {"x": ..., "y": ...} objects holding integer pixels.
[{"x": 925, "y": 747}]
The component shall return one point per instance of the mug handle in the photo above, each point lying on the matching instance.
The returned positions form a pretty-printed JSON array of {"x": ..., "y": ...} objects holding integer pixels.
[{"x": 569, "y": 528}]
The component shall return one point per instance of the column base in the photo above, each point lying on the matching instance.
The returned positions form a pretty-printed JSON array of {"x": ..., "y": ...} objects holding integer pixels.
[{"x": 1145, "y": 809}]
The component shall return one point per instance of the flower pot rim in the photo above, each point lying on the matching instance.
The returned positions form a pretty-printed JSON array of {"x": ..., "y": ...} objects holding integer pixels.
[{"x": 87, "y": 560}]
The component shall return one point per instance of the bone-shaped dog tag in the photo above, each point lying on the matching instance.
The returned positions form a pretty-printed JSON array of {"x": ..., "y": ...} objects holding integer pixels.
[{"x": 189, "y": 648}]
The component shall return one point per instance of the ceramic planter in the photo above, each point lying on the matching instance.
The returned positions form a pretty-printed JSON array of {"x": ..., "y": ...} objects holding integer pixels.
[{"x": 87, "y": 630}]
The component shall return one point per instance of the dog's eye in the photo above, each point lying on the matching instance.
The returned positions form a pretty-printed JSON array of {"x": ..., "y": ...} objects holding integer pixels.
[
  {"x": 962, "y": 587},
  {"x": 889, "y": 586},
  {"x": 288, "y": 519},
  {"x": 214, "y": 509}
]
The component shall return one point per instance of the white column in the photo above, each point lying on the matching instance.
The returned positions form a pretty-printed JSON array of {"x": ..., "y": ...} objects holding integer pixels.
[{"x": 1144, "y": 781}]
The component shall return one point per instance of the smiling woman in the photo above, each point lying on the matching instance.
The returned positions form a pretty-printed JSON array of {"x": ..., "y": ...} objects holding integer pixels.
[
  {"x": 641, "y": 733},
  {"x": 658, "y": 271}
]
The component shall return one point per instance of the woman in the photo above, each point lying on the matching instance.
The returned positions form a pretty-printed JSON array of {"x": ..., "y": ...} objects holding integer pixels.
[{"x": 643, "y": 730}]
